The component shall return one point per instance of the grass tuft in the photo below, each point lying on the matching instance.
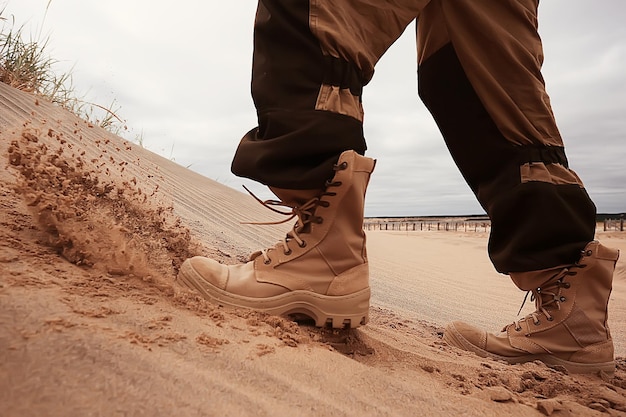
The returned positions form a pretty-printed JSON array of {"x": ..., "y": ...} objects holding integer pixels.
[{"x": 26, "y": 66}]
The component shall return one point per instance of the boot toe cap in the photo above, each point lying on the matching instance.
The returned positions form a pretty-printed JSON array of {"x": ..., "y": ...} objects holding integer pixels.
[
  {"x": 200, "y": 269},
  {"x": 465, "y": 336}
]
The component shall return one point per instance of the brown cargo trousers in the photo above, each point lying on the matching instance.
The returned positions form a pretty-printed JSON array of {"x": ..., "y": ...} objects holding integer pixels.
[{"x": 480, "y": 77}]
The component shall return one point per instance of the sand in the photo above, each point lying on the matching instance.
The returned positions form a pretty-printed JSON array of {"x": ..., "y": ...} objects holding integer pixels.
[{"x": 92, "y": 231}]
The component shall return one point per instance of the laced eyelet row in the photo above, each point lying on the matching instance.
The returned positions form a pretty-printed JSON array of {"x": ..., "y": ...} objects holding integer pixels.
[
  {"x": 547, "y": 296},
  {"x": 304, "y": 213}
]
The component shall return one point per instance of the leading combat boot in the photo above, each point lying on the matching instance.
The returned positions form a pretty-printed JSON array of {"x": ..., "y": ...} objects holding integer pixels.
[
  {"x": 319, "y": 269},
  {"x": 569, "y": 326}
]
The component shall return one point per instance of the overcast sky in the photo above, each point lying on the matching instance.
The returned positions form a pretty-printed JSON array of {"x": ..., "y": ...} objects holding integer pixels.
[{"x": 181, "y": 74}]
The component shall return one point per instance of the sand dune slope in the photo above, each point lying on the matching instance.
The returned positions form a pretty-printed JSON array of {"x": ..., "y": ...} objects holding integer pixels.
[{"x": 92, "y": 231}]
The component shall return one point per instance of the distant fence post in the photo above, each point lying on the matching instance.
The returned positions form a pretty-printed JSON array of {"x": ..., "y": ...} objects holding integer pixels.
[{"x": 456, "y": 225}]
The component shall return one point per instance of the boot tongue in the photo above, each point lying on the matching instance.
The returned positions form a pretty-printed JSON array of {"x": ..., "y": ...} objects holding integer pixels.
[
  {"x": 295, "y": 198},
  {"x": 303, "y": 204},
  {"x": 298, "y": 200},
  {"x": 543, "y": 285},
  {"x": 531, "y": 280}
]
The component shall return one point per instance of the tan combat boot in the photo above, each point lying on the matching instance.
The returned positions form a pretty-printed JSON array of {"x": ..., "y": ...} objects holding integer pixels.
[
  {"x": 319, "y": 269},
  {"x": 569, "y": 327}
]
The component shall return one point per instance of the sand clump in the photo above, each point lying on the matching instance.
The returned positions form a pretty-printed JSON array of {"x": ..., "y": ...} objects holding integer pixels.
[
  {"x": 97, "y": 216},
  {"x": 94, "y": 216}
]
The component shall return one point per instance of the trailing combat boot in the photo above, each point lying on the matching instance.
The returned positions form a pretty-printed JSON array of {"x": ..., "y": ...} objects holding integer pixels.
[
  {"x": 569, "y": 327},
  {"x": 319, "y": 269}
]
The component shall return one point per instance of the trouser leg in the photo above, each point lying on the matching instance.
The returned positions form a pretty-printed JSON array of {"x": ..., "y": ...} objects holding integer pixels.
[
  {"x": 480, "y": 76},
  {"x": 311, "y": 60}
]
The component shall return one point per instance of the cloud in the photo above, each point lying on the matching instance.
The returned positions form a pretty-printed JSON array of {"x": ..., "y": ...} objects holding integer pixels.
[{"x": 181, "y": 74}]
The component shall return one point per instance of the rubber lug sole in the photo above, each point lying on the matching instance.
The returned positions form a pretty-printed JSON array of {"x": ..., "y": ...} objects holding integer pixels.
[{"x": 345, "y": 311}]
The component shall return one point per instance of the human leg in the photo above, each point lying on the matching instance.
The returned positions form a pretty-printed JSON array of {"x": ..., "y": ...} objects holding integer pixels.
[
  {"x": 480, "y": 76},
  {"x": 311, "y": 61}
]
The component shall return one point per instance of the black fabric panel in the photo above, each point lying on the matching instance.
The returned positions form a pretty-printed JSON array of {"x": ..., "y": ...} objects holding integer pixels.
[
  {"x": 538, "y": 225},
  {"x": 545, "y": 154},
  {"x": 535, "y": 225},
  {"x": 294, "y": 146},
  {"x": 342, "y": 74},
  {"x": 301, "y": 149},
  {"x": 287, "y": 64}
]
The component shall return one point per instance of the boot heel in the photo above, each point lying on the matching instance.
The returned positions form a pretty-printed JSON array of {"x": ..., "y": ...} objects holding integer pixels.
[{"x": 346, "y": 311}]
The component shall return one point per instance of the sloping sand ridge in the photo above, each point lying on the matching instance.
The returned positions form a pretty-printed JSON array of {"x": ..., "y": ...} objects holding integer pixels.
[{"x": 92, "y": 232}]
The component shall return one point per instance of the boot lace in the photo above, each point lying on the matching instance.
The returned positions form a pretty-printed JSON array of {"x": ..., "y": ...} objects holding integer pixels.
[
  {"x": 305, "y": 214},
  {"x": 548, "y": 297}
]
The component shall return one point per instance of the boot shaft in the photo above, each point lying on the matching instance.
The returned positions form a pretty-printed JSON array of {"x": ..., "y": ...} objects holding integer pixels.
[
  {"x": 571, "y": 301},
  {"x": 569, "y": 325},
  {"x": 595, "y": 282},
  {"x": 328, "y": 240},
  {"x": 340, "y": 216}
]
